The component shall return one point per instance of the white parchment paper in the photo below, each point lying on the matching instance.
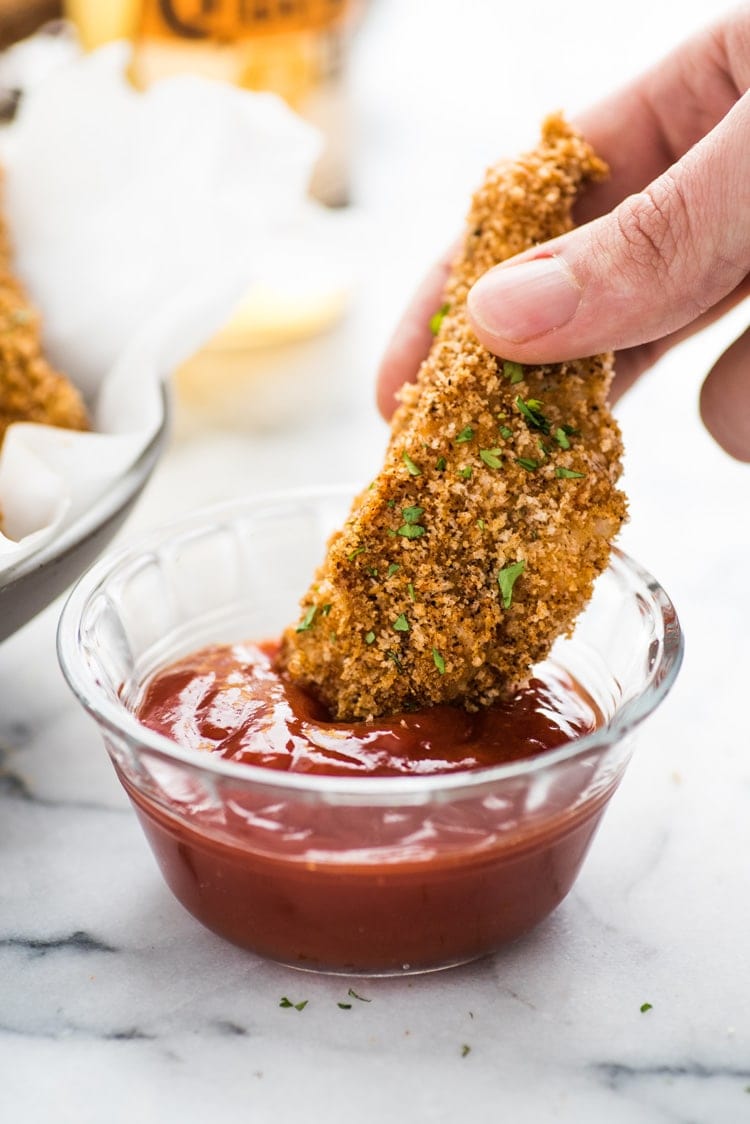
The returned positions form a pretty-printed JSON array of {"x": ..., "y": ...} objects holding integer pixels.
[{"x": 138, "y": 220}]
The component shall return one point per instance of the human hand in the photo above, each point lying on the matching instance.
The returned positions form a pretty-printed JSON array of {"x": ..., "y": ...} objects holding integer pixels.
[{"x": 665, "y": 249}]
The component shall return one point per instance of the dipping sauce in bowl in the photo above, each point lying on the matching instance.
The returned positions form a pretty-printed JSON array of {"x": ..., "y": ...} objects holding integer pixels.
[{"x": 402, "y": 845}]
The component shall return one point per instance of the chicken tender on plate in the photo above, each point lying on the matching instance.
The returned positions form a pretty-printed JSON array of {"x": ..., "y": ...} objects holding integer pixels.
[
  {"x": 478, "y": 543},
  {"x": 30, "y": 389}
]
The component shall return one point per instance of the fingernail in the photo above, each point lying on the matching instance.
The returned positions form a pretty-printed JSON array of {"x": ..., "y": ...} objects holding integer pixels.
[{"x": 521, "y": 302}]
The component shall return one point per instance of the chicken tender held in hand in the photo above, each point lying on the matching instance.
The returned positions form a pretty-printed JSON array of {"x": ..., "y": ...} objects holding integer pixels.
[
  {"x": 30, "y": 389},
  {"x": 479, "y": 541}
]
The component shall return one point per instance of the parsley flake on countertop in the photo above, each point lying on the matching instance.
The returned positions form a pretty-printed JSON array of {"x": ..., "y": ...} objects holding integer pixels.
[
  {"x": 438, "y": 661},
  {"x": 438, "y": 317},
  {"x": 491, "y": 457},
  {"x": 412, "y": 514},
  {"x": 568, "y": 474},
  {"x": 513, "y": 372},
  {"x": 297, "y": 1006},
  {"x": 506, "y": 579},
  {"x": 414, "y": 469},
  {"x": 307, "y": 621},
  {"x": 466, "y": 434},
  {"x": 344, "y": 1006},
  {"x": 465, "y": 1050},
  {"x": 646, "y": 1007},
  {"x": 401, "y": 624},
  {"x": 354, "y": 995}
]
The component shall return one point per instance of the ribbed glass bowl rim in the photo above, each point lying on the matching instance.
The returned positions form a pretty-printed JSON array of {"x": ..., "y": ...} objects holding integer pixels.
[{"x": 123, "y": 723}]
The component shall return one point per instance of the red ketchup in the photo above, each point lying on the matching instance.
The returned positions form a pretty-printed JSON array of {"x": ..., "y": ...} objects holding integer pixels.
[{"x": 373, "y": 884}]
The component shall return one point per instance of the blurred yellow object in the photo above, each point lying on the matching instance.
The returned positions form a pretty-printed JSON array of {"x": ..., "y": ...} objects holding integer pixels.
[{"x": 101, "y": 21}]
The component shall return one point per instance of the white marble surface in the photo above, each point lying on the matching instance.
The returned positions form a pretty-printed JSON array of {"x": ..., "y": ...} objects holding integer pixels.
[{"x": 115, "y": 1006}]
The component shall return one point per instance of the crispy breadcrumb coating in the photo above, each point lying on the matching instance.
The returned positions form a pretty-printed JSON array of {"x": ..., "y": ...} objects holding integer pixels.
[
  {"x": 30, "y": 389},
  {"x": 479, "y": 541}
]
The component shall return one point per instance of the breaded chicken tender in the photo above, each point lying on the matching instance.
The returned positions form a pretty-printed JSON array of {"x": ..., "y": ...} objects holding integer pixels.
[
  {"x": 30, "y": 389},
  {"x": 479, "y": 541}
]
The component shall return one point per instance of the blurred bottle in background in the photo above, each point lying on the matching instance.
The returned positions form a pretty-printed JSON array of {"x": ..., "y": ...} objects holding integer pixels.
[{"x": 295, "y": 48}]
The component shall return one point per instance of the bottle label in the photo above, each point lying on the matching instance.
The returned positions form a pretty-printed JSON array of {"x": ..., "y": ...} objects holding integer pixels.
[{"x": 230, "y": 20}]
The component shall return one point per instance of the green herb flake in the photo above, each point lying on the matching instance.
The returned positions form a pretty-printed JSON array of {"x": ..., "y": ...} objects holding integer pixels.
[
  {"x": 491, "y": 457},
  {"x": 568, "y": 474},
  {"x": 438, "y": 317},
  {"x": 412, "y": 594},
  {"x": 393, "y": 569},
  {"x": 411, "y": 531},
  {"x": 438, "y": 661},
  {"x": 506, "y": 579},
  {"x": 370, "y": 637},
  {"x": 391, "y": 503},
  {"x": 394, "y": 656},
  {"x": 351, "y": 992},
  {"x": 531, "y": 411},
  {"x": 414, "y": 469},
  {"x": 570, "y": 431},
  {"x": 465, "y": 1050},
  {"x": 391, "y": 533},
  {"x": 285, "y": 1002},
  {"x": 480, "y": 524},
  {"x": 354, "y": 553},
  {"x": 513, "y": 372},
  {"x": 344, "y": 1006},
  {"x": 465, "y": 473},
  {"x": 307, "y": 621},
  {"x": 562, "y": 438},
  {"x": 506, "y": 432},
  {"x": 646, "y": 1007},
  {"x": 372, "y": 571},
  {"x": 527, "y": 463},
  {"x": 412, "y": 514},
  {"x": 466, "y": 434},
  {"x": 401, "y": 624},
  {"x": 440, "y": 464},
  {"x": 325, "y": 610}
]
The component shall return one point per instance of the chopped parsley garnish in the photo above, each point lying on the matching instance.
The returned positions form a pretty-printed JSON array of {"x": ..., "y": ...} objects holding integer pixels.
[
  {"x": 531, "y": 410},
  {"x": 527, "y": 463},
  {"x": 414, "y": 469},
  {"x": 393, "y": 569},
  {"x": 354, "y": 553},
  {"x": 412, "y": 514},
  {"x": 391, "y": 503},
  {"x": 646, "y": 1007},
  {"x": 513, "y": 372},
  {"x": 491, "y": 457},
  {"x": 307, "y": 621},
  {"x": 562, "y": 438},
  {"x": 344, "y": 1006},
  {"x": 465, "y": 1050},
  {"x": 354, "y": 995},
  {"x": 440, "y": 464},
  {"x": 506, "y": 432},
  {"x": 570, "y": 431},
  {"x": 370, "y": 637},
  {"x": 401, "y": 624},
  {"x": 297, "y": 1006},
  {"x": 438, "y": 661},
  {"x": 412, "y": 594},
  {"x": 411, "y": 531},
  {"x": 506, "y": 579},
  {"x": 569, "y": 474},
  {"x": 480, "y": 524},
  {"x": 465, "y": 473},
  {"x": 438, "y": 317},
  {"x": 372, "y": 571},
  {"x": 466, "y": 434},
  {"x": 325, "y": 610},
  {"x": 394, "y": 656}
]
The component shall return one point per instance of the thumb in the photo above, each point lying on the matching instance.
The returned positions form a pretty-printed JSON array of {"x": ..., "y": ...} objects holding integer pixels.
[{"x": 648, "y": 268}]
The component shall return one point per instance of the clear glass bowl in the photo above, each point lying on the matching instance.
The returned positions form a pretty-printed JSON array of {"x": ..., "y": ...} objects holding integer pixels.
[{"x": 380, "y": 875}]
